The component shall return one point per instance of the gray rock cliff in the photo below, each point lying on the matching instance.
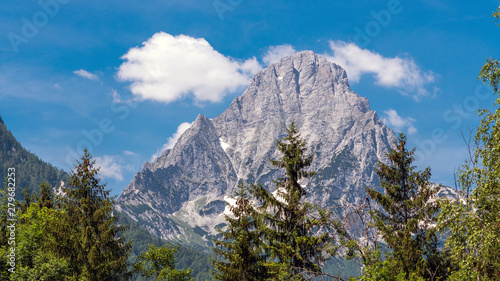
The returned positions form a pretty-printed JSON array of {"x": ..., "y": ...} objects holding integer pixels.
[{"x": 181, "y": 195}]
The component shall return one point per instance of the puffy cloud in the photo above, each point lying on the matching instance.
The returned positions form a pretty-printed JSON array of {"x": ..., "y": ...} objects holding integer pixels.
[
  {"x": 402, "y": 73},
  {"x": 392, "y": 119},
  {"x": 109, "y": 167},
  {"x": 172, "y": 140},
  {"x": 85, "y": 74},
  {"x": 274, "y": 53},
  {"x": 168, "y": 68}
]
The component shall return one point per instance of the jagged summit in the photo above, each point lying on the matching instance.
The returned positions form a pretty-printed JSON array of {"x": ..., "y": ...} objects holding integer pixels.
[
  {"x": 293, "y": 82},
  {"x": 1, "y": 120},
  {"x": 304, "y": 88},
  {"x": 180, "y": 195}
]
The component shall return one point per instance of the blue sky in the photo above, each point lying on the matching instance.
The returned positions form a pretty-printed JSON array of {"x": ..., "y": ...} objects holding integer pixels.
[{"x": 114, "y": 74}]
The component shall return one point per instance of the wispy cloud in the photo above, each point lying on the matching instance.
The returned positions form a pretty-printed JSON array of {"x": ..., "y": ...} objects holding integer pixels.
[
  {"x": 168, "y": 68},
  {"x": 274, "y": 53},
  {"x": 129, "y": 153},
  {"x": 392, "y": 119},
  {"x": 85, "y": 74},
  {"x": 396, "y": 72},
  {"x": 116, "y": 96},
  {"x": 109, "y": 167},
  {"x": 172, "y": 140},
  {"x": 115, "y": 166}
]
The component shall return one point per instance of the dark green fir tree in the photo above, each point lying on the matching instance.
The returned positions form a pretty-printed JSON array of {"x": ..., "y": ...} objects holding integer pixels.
[
  {"x": 98, "y": 249},
  {"x": 293, "y": 228},
  {"x": 240, "y": 250},
  {"x": 407, "y": 217}
]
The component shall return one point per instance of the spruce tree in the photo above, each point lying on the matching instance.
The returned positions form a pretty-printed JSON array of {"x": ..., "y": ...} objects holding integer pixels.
[
  {"x": 46, "y": 197},
  {"x": 407, "y": 215},
  {"x": 292, "y": 227},
  {"x": 97, "y": 249},
  {"x": 240, "y": 253},
  {"x": 28, "y": 198}
]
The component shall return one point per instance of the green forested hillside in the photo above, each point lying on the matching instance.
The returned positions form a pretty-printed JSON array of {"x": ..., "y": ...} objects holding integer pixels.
[
  {"x": 30, "y": 170},
  {"x": 197, "y": 260}
]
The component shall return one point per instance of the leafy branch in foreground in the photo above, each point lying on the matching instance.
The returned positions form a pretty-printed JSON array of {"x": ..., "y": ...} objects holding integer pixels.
[{"x": 472, "y": 221}]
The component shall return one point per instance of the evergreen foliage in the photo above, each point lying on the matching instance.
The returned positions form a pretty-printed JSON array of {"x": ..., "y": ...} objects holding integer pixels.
[
  {"x": 407, "y": 216},
  {"x": 46, "y": 197},
  {"x": 30, "y": 170},
  {"x": 99, "y": 251},
  {"x": 291, "y": 231},
  {"x": 240, "y": 247},
  {"x": 27, "y": 197},
  {"x": 197, "y": 260}
]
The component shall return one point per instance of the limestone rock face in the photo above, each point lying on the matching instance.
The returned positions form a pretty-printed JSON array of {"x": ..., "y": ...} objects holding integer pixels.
[{"x": 181, "y": 195}]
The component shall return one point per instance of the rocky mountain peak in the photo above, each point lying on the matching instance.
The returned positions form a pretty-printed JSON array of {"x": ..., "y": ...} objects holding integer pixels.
[{"x": 181, "y": 195}]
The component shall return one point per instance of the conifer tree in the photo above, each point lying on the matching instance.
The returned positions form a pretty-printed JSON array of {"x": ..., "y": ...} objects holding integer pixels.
[
  {"x": 46, "y": 197},
  {"x": 28, "y": 198},
  {"x": 240, "y": 247},
  {"x": 407, "y": 214},
  {"x": 97, "y": 249},
  {"x": 290, "y": 231}
]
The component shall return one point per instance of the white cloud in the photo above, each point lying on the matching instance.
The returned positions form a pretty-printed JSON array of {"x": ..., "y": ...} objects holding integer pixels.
[
  {"x": 172, "y": 140},
  {"x": 398, "y": 123},
  {"x": 167, "y": 68},
  {"x": 274, "y": 53},
  {"x": 85, "y": 74},
  {"x": 109, "y": 167},
  {"x": 129, "y": 153},
  {"x": 402, "y": 73}
]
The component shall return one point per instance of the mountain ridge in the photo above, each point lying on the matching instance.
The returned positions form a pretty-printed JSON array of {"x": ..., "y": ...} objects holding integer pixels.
[
  {"x": 181, "y": 194},
  {"x": 30, "y": 169}
]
